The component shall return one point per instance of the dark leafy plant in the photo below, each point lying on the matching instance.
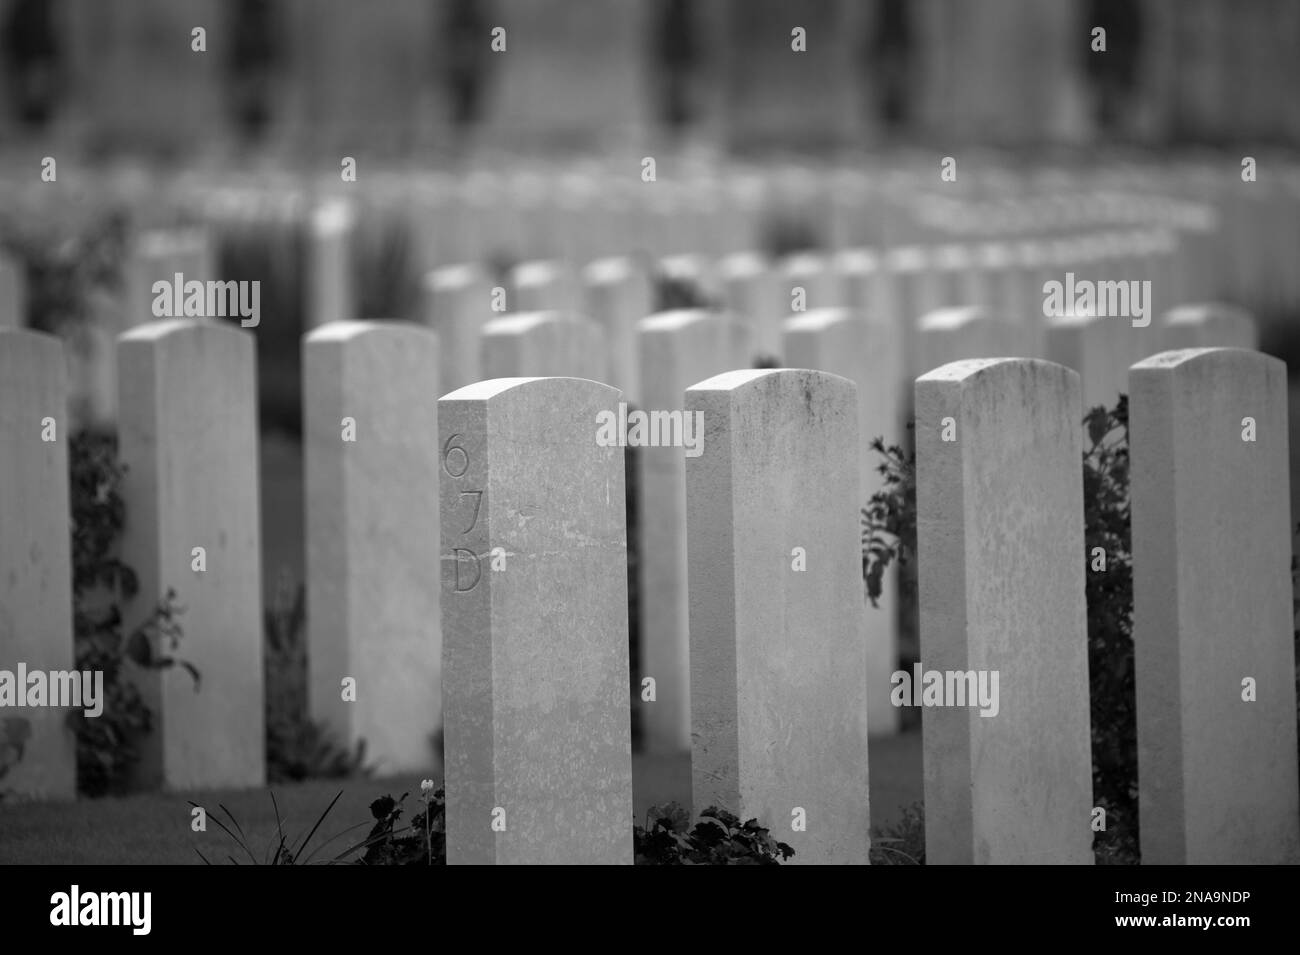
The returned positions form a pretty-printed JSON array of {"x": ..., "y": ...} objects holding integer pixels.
[
  {"x": 297, "y": 748},
  {"x": 902, "y": 843},
  {"x": 1109, "y": 589},
  {"x": 423, "y": 842},
  {"x": 107, "y": 744},
  {"x": 718, "y": 838}
]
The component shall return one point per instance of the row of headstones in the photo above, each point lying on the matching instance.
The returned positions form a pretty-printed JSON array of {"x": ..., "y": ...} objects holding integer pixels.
[{"x": 530, "y": 541}]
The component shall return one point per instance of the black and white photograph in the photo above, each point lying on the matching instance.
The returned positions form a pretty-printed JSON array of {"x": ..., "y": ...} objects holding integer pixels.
[{"x": 650, "y": 432}]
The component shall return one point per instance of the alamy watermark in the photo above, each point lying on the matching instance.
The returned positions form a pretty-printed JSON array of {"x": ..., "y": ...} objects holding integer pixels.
[
  {"x": 213, "y": 299},
  {"x": 78, "y": 689},
  {"x": 651, "y": 429},
  {"x": 1123, "y": 298},
  {"x": 946, "y": 688}
]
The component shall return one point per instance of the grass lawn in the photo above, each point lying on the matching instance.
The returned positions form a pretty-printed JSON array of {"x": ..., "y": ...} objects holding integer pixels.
[{"x": 154, "y": 828}]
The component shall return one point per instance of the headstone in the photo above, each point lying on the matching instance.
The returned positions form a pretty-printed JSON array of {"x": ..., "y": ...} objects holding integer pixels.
[
  {"x": 35, "y": 563},
  {"x": 188, "y": 438},
  {"x": 370, "y": 417},
  {"x": 865, "y": 351},
  {"x": 541, "y": 344},
  {"x": 954, "y": 334},
  {"x": 534, "y": 615},
  {"x": 330, "y": 293},
  {"x": 813, "y": 274},
  {"x": 677, "y": 349},
  {"x": 862, "y": 286},
  {"x": 1101, "y": 351},
  {"x": 778, "y": 661},
  {"x": 542, "y": 285},
  {"x": 753, "y": 293},
  {"x": 1208, "y": 325},
  {"x": 999, "y": 503},
  {"x": 1212, "y": 609},
  {"x": 617, "y": 297},
  {"x": 457, "y": 303},
  {"x": 13, "y": 294}
]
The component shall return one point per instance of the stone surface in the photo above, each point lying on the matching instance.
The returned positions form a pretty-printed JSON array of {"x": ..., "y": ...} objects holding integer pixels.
[
  {"x": 542, "y": 344},
  {"x": 677, "y": 350},
  {"x": 330, "y": 293},
  {"x": 1101, "y": 351},
  {"x": 35, "y": 560},
  {"x": 753, "y": 293},
  {"x": 1212, "y": 607},
  {"x": 457, "y": 303},
  {"x": 188, "y": 438},
  {"x": 954, "y": 334},
  {"x": 372, "y": 539},
  {"x": 542, "y": 285},
  {"x": 1001, "y": 589},
  {"x": 864, "y": 351},
  {"x": 618, "y": 295},
  {"x": 1208, "y": 325},
  {"x": 778, "y": 661},
  {"x": 535, "y": 651}
]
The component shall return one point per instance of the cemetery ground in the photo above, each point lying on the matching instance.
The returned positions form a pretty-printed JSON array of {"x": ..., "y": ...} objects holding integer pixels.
[{"x": 154, "y": 828}]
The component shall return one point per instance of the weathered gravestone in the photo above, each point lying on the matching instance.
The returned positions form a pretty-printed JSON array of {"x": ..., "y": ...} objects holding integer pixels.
[
  {"x": 865, "y": 351},
  {"x": 188, "y": 439},
  {"x": 330, "y": 292},
  {"x": 999, "y": 503},
  {"x": 542, "y": 286},
  {"x": 778, "y": 661},
  {"x": 542, "y": 344},
  {"x": 618, "y": 295},
  {"x": 677, "y": 349},
  {"x": 534, "y": 614},
  {"x": 370, "y": 420},
  {"x": 1208, "y": 325},
  {"x": 35, "y": 563},
  {"x": 457, "y": 302},
  {"x": 1212, "y": 615}
]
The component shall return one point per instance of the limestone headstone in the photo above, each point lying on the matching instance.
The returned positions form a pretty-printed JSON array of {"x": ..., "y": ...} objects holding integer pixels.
[
  {"x": 330, "y": 292},
  {"x": 188, "y": 438},
  {"x": 618, "y": 296},
  {"x": 778, "y": 661},
  {"x": 1208, "y": 325},
  {"x": 754, "y": 294},
  {"x": 534, "y": 612},
  {"x": 542, "y": 285},
  {"x": 540, "y": 344},
  {"x": 1212, "y": 615},
  {"x": 676, "y": 349},
  {"x": 35, "y": 563},
  {"x": 999, "y": 503},
  {"x": 370, "y": 419},
  {"x": 457, "y": 302},
  {"x": 865, "y": 351}
]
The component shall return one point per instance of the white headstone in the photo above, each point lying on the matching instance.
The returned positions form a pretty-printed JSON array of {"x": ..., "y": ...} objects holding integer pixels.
[
  {"x": 370, "y": 422},
  {"x": 778, "y": 661},
  {"x": 534, "y": 612}
]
